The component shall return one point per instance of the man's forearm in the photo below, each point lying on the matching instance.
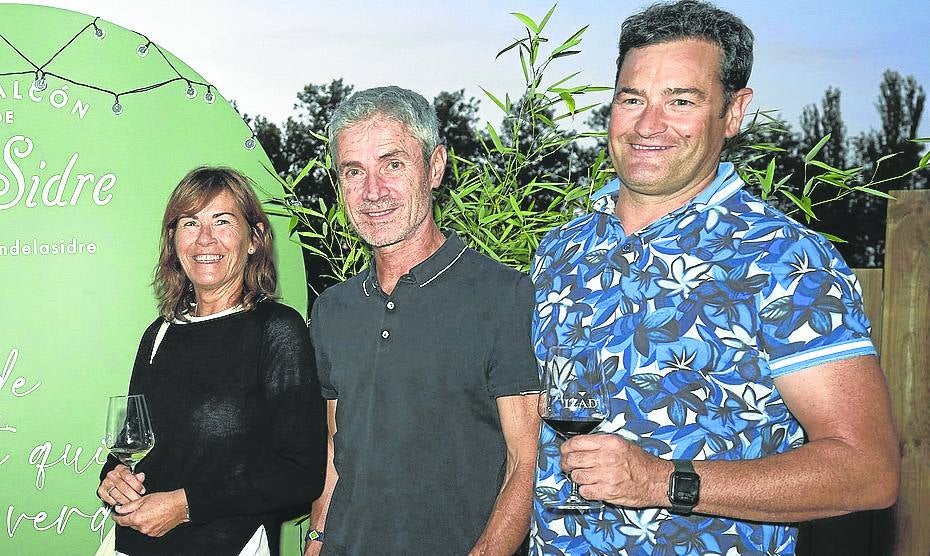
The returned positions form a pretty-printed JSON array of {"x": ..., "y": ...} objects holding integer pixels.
[
  {"x": 510, "y": 518},
  {"x": 820, "y": 479},
  {"x": 320, "y": 507}
]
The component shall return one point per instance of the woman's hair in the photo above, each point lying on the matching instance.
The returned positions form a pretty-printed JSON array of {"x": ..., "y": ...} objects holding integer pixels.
[{"x": 197, "y": 189}]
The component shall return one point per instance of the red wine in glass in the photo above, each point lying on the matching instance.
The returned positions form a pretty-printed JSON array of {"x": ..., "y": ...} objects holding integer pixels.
[{"x": 574, "y": 401}]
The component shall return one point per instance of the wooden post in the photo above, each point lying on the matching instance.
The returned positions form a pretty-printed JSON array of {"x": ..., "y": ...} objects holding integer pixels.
[
  {"x": 871, "y": 281},
  {"x": 906, "y": 361}
]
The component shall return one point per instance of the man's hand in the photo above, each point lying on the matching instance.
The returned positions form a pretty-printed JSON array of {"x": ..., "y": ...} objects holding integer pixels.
[
  {"x": 154, "y": 514},
  {"x": 607, "y": 467},
  {"x": 120, "y": 486}
]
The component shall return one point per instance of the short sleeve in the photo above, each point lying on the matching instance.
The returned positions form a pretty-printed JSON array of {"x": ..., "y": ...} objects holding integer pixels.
[
  {"x": 323, "y": 366},
  {"x": 811, "y": 311},
  {"x": 512, "y": 368}
]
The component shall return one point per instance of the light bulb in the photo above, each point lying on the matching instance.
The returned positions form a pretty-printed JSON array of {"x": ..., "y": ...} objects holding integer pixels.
[
  {"x": 191, "y": 92},
  {"x": 117, "y": 108},
  {"x": 39, "y": 84},
  {"x": 208, "y": 96},
  {"x": 250, "y": 143},
  {"x": 143, "y": 50},
  {"x": 98, "y": 32}
]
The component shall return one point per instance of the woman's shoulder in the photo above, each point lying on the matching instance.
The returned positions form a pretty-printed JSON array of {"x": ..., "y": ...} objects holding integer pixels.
[
  {"x": 152, "y": 328},
  {"x": 275, "y": 313}
]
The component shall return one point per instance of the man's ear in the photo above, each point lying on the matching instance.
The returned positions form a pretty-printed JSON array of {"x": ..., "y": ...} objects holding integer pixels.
[
  {"x": 437, "y": 166},
  {"x": 737, "y": 109}
]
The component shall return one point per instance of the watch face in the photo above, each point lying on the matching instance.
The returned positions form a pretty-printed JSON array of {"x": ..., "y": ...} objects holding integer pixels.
[{"x": 686, "y": 488}]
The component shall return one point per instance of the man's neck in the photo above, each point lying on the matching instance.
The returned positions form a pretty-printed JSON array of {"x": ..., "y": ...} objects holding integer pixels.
[
  {"x": 636, "y": 211},
  {"x": 395, "y": 260}
]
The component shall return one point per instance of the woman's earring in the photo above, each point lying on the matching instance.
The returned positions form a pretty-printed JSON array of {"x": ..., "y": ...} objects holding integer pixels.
[{"x": 251, "y": 250}]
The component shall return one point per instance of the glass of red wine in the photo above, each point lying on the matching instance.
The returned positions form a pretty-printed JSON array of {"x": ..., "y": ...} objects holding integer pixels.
[{"x": 574, "y": 401}]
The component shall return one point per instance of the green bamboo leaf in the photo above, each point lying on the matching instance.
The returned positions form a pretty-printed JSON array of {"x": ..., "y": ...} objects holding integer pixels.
[
  {"x": 813, "y": 152},
  {"x": 495, "y": 100},
  {"x": 875, "y": 192},
  {"x": 555, "y": 86},
  {"x": 833, "y": 238},
  {"x": 509, "y": 47},
  {"x": 924, "y": 160},
  {"x": 545, "y": 19},
  {"x": 802, "y": 203},
  {"x": 572, "y": 41},
  {"x": 569, "y": 101},
  {"x": 527, "y": 21},
  {"x": 886, "y": 157},
  {"x": 495, "y": 138},
  {"x": 823, "y": 166},
  {"x": 766, "y": 183},
  {"x": 565, "y": 53}
]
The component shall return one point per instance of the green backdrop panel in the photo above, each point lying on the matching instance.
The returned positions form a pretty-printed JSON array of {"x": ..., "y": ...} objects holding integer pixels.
[{"x": 82, "y": 191}]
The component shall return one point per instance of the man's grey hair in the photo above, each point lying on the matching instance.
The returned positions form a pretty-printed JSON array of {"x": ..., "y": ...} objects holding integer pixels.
[
  {"x": 693, "y": 19},
  {"x": 402, "y": 105}
]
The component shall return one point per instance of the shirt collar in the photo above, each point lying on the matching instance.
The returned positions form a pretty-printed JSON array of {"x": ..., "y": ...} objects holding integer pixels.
[
  {"x": 442, "y": 260},
  {"x": 726, "y": 183}
]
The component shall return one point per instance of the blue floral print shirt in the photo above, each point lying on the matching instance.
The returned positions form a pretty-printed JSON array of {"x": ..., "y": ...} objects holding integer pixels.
[{"x": 695, "y": 316}]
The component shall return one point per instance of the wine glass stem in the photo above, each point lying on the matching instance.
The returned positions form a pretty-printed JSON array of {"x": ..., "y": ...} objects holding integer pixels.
[{"x": 573, "y": 494}]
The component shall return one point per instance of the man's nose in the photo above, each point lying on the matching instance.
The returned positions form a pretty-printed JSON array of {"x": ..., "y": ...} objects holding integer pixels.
[
  {"x": 651, "y": 121},
  {"x": 374, "y": 187}
]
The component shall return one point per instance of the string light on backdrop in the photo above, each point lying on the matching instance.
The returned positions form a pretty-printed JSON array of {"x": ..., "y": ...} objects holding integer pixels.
[{"x": 41, "y": 72}]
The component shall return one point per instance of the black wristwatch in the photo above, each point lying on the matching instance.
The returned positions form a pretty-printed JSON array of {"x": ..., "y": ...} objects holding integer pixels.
[
  {"x": 313, "y": 535},
  {"x": 684, "y": 488}
]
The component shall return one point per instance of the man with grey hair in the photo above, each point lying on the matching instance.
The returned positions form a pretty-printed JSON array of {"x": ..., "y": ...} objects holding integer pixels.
[
  {"x": 424, "y": 358},
  {"x": 726, "y": 330}
]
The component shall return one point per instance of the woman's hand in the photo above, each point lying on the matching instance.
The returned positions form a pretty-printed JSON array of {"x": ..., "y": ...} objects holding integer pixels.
[
  {"x": 154, "y": 514},
  {"x": 120, "y": 486}
]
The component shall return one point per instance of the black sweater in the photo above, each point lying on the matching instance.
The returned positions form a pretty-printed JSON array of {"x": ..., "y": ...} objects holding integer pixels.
[{"x": 239, "y": 424}]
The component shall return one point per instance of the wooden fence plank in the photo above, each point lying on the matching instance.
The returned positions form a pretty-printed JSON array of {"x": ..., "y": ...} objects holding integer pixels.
[
  {"x": 906, "y": 361},
  {"x": 871, "y": 281}
]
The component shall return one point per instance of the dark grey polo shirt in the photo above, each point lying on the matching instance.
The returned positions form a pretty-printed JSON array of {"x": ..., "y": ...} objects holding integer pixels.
[{"x": 419, "y": 448}]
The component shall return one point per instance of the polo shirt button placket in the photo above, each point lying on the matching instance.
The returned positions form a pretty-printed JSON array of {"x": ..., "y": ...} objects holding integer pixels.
[
  {"x": 385, "y": 334},
  {"x": 389, "y": 305}
]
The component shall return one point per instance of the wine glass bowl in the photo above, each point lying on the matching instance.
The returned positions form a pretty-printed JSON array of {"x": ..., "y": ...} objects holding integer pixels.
[
  {"x": 574, "y": 401},
  {"x": 129, "y": 436}
]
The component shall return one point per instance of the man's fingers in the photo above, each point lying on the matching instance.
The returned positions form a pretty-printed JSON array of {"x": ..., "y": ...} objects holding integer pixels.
[
  {"x": 588, "y": 442},
  {"x": 578, "y": 460}
]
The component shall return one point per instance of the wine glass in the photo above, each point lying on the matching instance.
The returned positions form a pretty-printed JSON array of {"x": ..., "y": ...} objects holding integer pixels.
[
  {"x": 573, "y": 401},
  {"x": 129, "y": 435}
]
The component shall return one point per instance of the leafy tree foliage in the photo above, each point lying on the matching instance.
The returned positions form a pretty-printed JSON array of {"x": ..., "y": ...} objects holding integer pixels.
[{"x": 839, "y": 185}]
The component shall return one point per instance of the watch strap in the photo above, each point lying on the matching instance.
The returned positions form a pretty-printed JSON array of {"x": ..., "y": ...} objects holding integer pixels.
[{"x": 683, "y": 466}]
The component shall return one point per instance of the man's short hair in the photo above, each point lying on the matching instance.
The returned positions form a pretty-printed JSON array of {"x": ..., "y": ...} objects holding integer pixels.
[
  {"x": 692, "y": 19},
  {"x": 402, "y": 105}
]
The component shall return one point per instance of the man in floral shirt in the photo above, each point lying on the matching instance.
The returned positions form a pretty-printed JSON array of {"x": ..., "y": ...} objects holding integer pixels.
[{"x": 725, "y": 329}]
